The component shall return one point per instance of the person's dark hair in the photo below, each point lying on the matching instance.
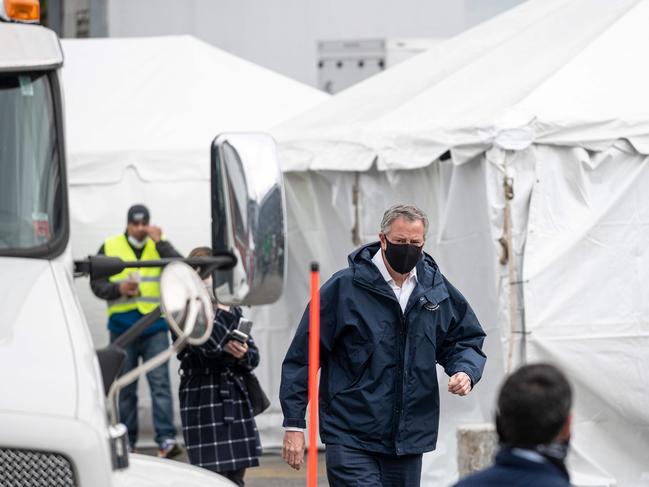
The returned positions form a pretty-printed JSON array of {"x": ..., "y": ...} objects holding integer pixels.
[{"x": 533, "y": 405}]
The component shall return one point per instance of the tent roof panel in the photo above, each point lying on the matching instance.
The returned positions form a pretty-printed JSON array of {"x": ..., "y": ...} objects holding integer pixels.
[
  {"x": 468, "y": 92},
  {"x": 166, "y": 95}
]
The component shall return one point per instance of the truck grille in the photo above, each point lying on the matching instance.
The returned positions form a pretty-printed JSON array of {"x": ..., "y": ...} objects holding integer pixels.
[{"x": 22, "y": 468}]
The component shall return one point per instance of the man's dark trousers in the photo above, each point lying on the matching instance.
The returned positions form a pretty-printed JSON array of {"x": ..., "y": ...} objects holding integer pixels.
[{"x": 347, "y": 467}]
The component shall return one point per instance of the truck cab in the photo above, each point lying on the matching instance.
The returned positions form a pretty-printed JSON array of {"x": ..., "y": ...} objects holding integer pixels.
[{"x": 54, "y": 415}]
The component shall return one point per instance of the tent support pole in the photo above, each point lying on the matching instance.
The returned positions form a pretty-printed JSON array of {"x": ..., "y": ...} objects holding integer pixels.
[
  {"x": 508, "y": 187},
  {"x": 356, "y": 201}
]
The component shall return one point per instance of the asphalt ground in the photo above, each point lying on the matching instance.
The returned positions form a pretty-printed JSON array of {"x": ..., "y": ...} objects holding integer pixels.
[{"x": 273, "y": 471}]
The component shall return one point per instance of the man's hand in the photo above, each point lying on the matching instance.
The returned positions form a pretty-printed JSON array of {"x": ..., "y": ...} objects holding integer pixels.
[
  {"x": 236, "y": 349},
  {"x": 459, "y": 384},
  {"x": 154, "y": 232},
  {"x": 293, "y": 451},
  {"x": 129, "y": 288}
]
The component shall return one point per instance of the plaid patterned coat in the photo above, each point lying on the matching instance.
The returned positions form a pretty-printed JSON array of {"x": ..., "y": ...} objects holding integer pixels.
[{"x": 217, "y": 420}]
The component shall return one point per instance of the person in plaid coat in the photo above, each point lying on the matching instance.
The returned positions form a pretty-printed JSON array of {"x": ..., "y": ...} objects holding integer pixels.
[{"x": 217, "y": 419}]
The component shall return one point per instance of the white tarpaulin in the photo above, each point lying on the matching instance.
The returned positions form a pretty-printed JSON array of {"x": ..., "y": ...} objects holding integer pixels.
[
  {"x": 551, "y": 95},
  {"x": 141, "y": 115},
  {"x": 586, "y": 299}
]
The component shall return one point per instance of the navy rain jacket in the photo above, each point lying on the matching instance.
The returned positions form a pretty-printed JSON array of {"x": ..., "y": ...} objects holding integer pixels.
[
  {"x": 378, "y": 380},
  {"x": 514, "y": 471}
]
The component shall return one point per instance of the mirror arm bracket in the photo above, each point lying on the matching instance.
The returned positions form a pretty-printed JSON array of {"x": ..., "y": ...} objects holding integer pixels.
[
  {"x": 101, "y": 266},
  {"x": 126, "y": 338},
  {"x": 225, "y": 261},
  {"x": 161, "y": 358},
  {"x": 129, "y": 377}
]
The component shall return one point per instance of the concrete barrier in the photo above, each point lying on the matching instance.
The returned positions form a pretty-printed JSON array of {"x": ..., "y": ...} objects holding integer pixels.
[{"x": 476, "y": 447}]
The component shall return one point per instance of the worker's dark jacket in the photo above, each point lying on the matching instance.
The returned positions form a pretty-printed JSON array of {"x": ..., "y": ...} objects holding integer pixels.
[{"x": 378, "y": 384}]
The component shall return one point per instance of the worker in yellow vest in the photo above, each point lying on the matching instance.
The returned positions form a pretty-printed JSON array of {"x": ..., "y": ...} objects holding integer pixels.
[{"x": 130, "y": 295}]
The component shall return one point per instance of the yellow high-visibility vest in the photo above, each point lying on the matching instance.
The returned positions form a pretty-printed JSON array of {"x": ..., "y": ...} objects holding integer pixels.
[{"x": 149, "y": 282}]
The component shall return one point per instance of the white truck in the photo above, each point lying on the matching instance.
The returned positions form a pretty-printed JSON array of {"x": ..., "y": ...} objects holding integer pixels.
[{"x": 57, "y": 427}]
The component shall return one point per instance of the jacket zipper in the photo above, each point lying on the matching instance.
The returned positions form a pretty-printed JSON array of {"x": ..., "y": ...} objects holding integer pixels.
[
  {"x": 398, "y": 407},
  {"x": 398, "y": 404}
]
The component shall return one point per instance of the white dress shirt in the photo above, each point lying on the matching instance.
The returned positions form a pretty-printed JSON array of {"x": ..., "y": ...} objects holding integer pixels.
[{"x": 405, "y": 290}]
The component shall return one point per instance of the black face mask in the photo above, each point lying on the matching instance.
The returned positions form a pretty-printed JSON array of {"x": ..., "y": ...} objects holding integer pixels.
[{"x": 402, "y": 257}]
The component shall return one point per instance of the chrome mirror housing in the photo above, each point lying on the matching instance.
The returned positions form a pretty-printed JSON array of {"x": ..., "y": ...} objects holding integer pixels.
[
  {"x": 185, "y": 302},
  {"x": 248, "y": 218}
]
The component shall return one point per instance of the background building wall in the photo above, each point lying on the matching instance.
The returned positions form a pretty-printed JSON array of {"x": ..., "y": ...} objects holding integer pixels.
[
  {"x": 75, "y": 18},
  {"x": 282, "y": 34}
]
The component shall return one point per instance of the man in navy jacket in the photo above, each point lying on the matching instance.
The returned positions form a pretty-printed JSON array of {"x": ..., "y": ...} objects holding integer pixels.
[
  {"x": 533, "y": 425},
  {"x": 386, "y": 320}
]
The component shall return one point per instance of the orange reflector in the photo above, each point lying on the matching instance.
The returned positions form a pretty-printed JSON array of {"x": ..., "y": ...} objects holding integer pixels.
[
  {"x": 23, "y": 10},
  {"x": 314, "y": 365}
]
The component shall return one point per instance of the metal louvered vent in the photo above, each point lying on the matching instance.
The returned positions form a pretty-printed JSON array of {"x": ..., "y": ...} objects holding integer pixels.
[{"x": 22, "y": 468}]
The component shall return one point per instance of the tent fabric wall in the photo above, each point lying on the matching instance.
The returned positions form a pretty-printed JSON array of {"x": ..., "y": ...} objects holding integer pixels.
[
  {"x": 320, "y": 223},
  {"x": 587, "y": 300},
  {"x": 580, "y": 234},
  {"x": 556, "y": 101},
  {"x": 564, "y": 192},
  {"x": 465, "y": 204}
]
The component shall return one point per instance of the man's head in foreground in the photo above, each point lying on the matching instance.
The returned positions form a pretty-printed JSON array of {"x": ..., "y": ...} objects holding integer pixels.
[{"x": 534, "y": 408}]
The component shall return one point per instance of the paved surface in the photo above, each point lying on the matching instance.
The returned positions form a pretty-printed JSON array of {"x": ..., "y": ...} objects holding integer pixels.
[{"x": 272, "y": 472}]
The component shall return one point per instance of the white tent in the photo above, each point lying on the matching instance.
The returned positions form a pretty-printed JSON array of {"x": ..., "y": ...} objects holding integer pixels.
[
  {"x": 551, "y": 95},
  {"x": 155, "y": 104},
  {"x": 141, "y": 115}
]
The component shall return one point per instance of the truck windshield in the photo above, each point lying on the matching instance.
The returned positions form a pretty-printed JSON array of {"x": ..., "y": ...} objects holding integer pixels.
[{"x": 31, "y": 193}]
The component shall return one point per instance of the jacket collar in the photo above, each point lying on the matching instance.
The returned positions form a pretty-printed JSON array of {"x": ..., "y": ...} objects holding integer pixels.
[
  {"x": 508, "y": 458},
  {"x": 430, "y": 283}
]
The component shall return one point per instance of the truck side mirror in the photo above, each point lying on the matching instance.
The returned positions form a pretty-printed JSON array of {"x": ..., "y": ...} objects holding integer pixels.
[
  {"x": 185, "y": 303},
  {"x": 248, "y": 218}
]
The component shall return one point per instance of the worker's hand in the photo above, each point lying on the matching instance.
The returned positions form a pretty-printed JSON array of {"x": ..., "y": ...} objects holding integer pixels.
[
  {"x": 236, "y": 349},
  {"x": 293, "y": 450},
  {"x": 459, "y": 384},
  {"x": 154, "y": 232},
  {"x": 129, "y": 288}
]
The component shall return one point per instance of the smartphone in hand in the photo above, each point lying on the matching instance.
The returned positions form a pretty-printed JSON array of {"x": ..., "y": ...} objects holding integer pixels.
[{"x": 242, "y": 331}]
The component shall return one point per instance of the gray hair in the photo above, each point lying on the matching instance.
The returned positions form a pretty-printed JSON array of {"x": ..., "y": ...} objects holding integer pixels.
[{"x": 409, "y": 212}]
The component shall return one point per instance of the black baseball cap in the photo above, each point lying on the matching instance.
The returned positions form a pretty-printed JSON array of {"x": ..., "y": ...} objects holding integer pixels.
[{"x": 138, "y": 213}]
